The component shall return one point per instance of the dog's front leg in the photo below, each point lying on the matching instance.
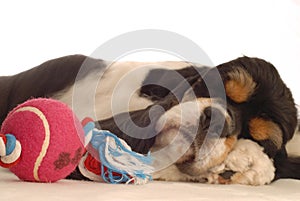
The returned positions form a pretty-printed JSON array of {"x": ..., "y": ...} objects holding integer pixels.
[{"x": 137, "y": 128}]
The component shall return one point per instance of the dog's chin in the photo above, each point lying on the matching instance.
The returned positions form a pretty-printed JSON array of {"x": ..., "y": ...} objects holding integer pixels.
[
  {"x": 210, "y": 154},
  {"x": 199, "y": 163}
]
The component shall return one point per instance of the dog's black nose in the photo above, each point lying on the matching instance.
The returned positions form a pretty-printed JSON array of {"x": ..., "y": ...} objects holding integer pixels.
[{"x": 213, "y": 122}]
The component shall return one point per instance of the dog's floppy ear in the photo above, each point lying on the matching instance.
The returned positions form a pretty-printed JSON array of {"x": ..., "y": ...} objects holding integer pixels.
[
  {"x": 160, "y": 82},
  {"x": 269, "y": 112}
]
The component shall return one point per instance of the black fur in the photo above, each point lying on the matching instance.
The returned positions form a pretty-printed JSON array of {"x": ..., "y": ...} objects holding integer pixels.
[
  {"x": 287, "y": 167},
  {"x": 160, "y": 82},
  {"x": 41, "y": 81}
]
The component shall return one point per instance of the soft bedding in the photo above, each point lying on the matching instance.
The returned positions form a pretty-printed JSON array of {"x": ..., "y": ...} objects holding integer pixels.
[{"x": 12, "y": 189}]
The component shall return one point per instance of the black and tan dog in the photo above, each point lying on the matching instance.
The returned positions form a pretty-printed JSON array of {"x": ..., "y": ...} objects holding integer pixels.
[{"x": 227, "y": 124}]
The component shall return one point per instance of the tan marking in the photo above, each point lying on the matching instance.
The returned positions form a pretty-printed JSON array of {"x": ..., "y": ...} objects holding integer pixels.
[
  {"x": 261, "y": 129},
  {"x": 230, "y": 142},
  {"x": 240, "y": 85}
]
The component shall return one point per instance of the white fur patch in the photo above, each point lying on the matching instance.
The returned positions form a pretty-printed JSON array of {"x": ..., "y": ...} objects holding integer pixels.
[
  {"x": 101, "y": 94},
  {"x": 184, "y": 114},
  {"x": 177, "y": 130},
  {"x": 211, "y": 151},
  {"x": 251, "y": 164}
]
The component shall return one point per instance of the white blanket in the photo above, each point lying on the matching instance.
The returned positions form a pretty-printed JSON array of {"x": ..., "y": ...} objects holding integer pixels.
[{"x": 12, "y": 189}]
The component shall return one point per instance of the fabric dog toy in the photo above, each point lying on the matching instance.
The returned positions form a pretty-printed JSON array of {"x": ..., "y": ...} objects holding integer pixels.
[{"x": 41, "y": 141}]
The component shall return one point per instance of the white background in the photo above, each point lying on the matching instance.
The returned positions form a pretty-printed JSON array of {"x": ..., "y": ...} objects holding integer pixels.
[{"x": 32, "y": 32}]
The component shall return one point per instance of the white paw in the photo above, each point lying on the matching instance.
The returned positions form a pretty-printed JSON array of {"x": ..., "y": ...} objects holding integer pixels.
[{"x": 251, "y": 164}]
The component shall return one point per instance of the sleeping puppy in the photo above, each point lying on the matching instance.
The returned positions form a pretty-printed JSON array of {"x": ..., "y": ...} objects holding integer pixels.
[
  {"x": 193, "y": 123},
  {"x": 259, "y": 107}
]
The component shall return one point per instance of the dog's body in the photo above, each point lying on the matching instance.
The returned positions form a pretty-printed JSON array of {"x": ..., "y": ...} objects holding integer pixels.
[{"x": 191, "y": 121}]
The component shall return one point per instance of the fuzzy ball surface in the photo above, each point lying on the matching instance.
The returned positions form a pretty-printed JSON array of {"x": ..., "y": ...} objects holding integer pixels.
[{"x": 51, "y": 137}]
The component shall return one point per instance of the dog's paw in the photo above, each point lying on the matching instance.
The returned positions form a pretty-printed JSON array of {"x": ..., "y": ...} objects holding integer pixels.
[{"x": 250, "y": 164}]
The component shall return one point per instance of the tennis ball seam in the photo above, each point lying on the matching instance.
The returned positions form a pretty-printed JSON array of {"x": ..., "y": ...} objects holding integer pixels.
[{"x": 46, "y": 141}]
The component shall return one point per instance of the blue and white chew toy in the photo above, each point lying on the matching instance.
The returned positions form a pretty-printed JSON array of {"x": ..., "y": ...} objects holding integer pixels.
[
  {"x": 118, "y": 163},
  {"x": 10, "y": 150}
]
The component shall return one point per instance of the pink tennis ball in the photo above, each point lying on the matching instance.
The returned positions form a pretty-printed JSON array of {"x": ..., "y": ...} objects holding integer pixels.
[{"x": 51, "y": 137}]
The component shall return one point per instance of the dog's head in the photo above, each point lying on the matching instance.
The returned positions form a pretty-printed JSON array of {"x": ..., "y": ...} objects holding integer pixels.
[
  {"x": 244, "y": 98},
  {"x": 267, "y": 107},
  {"x": 196, "y": 135}
]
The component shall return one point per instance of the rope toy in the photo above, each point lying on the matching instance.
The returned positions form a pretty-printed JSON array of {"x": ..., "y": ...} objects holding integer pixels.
[
  {"x": 10, "y": 150},
  {"x": 116, "y": 162}
]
